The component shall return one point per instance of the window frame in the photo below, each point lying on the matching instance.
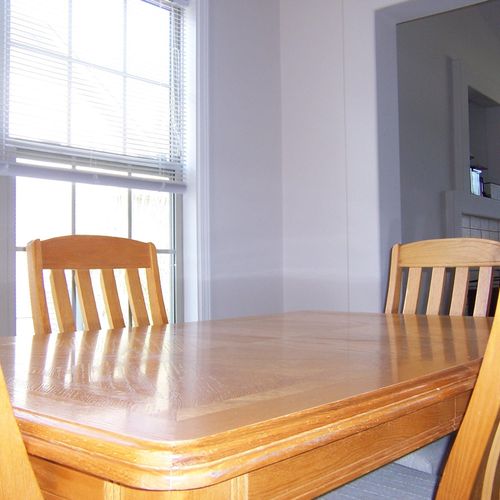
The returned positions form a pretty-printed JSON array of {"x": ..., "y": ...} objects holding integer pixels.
[
  {"x": 7, "y": 256},
  {"x": 198, "y": 295}
]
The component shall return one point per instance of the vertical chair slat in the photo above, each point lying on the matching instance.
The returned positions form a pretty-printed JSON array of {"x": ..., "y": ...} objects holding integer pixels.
[
  {"x": 136, "y": 298},
  {"x": 459, "y": 293},
  {"x": 111, "y": 299},
  {"x": 436, "y": 290},
  {"x": 62, "y": 302},
  {"x": 412, "y": 290},
  {"x": 483, "y": 293},
  {"x": 86, "y": 299}
]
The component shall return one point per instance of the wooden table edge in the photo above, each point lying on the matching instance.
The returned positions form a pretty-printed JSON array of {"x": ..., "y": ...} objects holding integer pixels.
[{"x": 207, "y": 461}]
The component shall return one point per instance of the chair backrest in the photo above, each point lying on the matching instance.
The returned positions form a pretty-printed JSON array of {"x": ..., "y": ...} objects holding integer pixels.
[
  {"x": 468, "y": 259},
  {"x": 17, "y": 479},
  {"x": 82, "y": 253},
  {"x": 477, "y": 437}
]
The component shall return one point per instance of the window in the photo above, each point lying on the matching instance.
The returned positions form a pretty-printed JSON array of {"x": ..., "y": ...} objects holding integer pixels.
[
  {"x": 94, "y": 90},
  {"x": 98, "y": 120},
  {"x": 67, "y": 208}
]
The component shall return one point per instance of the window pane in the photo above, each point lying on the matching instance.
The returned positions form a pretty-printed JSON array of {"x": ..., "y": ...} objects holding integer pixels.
[
  {"x": 148, "y": 115},
  {"x": 151, "y": 218},
  {"x": 101, "y": 210},
  {"x": 40, "y": 24},
  {"x": 148, "y": 50},
  {"x": 97, "y": 109},
  {"x": 43, "y": 209},
  {"x": 37, "y": 97},
  {"x": 104, "y": 21}
]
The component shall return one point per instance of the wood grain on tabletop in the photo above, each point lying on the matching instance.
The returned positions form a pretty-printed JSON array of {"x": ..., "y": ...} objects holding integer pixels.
[{"x": 246, "y": 392}]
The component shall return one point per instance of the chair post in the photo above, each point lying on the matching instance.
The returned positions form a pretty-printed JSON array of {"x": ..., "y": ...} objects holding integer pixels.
[
  {"x": 394, "y": 287},
  {"x": 477, "y": 425},
  {"x": 41, "y": 321},
  {"x": 17, "y": 479}
]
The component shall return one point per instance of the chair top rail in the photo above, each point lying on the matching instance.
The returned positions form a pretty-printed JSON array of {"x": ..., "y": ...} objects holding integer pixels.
[
  {"x": 100, "y": 253},
  {"x": 450, "y": 252}
]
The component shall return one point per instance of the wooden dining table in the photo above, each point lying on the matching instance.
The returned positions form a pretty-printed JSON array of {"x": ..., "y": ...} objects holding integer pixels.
[{"x": 281, "y": 406}]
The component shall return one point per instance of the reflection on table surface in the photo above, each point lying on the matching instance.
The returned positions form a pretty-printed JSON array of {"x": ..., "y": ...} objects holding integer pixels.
[{"x": 198, "y": 379}]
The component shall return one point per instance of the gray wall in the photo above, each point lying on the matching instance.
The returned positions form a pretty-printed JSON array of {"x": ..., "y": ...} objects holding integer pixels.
[
  {"x": 493, "y": 143},
  {"x": 425, "y": 48}
]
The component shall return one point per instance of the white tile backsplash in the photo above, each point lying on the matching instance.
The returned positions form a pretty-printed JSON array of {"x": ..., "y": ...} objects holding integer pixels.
[
  {"x": 480, "y": 227},
  {"x": 475, "y": 222}
]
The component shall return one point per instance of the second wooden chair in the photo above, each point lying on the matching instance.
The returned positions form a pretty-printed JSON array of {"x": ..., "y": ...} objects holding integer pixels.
[
  {"x": 468, "y": 261},
  {"x": 477, "y": 444},
  {"x": 461, "y": 279}
]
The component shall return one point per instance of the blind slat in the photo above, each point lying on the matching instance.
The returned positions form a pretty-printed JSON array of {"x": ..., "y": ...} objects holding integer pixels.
[{"x": 65, "y": 103}]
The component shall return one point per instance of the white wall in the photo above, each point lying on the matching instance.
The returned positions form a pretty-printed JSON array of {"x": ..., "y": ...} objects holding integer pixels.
[
  {"x": 305, "y": 199},
  {"x": 426, "y": 134},
  {"x": 332, "y": 204},
  {"x": 336, "y": 252},
  {"x": 245, "y": 158},
  {"x": 313, "y": 156}
]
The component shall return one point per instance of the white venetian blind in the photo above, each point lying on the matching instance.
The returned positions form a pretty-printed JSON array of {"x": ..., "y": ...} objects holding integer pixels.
[{"x": 93, "y": 91}]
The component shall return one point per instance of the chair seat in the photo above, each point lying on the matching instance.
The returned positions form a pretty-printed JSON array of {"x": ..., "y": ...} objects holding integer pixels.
[
  {"x": 430, "y": 458},
  {"x": 391, "y": 482}
]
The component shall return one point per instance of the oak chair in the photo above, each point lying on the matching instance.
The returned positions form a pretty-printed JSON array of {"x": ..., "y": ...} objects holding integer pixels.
[
  {"x": 80, "y": 254},
  {"x": 455, "y": 265},
  {"x": 477, "y": 441},
  {"x": 17, "y": 479},
  {"x": 465, "y": 257}
]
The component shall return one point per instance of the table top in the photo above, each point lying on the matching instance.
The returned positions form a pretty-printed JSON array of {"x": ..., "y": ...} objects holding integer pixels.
[{"x": 176, "y": 406}]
